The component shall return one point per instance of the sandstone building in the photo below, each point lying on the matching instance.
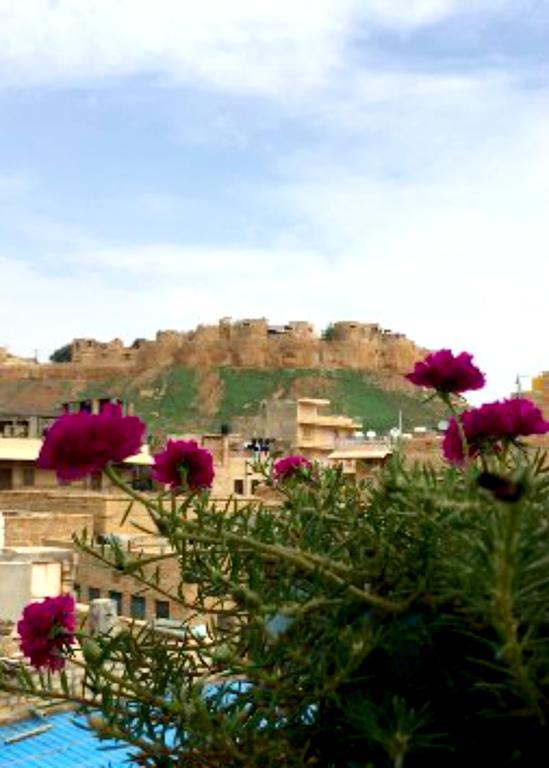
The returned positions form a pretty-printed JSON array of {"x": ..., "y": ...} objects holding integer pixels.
[
  {"x": 300, "y": 426},
  {"x": 540, "y": 392}
]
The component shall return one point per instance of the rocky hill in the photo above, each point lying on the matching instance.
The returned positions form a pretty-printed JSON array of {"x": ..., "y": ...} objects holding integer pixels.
[
  {"x": 183, "y": 399},
  {"x": 199, "y": 380}
]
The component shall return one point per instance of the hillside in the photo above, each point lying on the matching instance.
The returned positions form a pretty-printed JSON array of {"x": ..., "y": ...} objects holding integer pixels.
[{"x": 184, "y": 399}]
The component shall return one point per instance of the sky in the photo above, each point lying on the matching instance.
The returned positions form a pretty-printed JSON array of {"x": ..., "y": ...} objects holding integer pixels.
[{"x": 169, "y": 163}]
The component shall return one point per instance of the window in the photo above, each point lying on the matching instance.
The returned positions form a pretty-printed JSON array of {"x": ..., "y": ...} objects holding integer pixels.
[
  {"x": 142, "y": 479},
  {"x": 117, "y": 597},
  {"x": 137, "y": 609},
  {"x": 28, "y": 476},
  {"x": 6, "y": 481},
  {"x": 239, "y": 487},
  {"x": 162, "y": 609},
  {"x": 77, "y": 591},
  {"x": 93, "y": 593},
  {"x": 96, "y": 481}
]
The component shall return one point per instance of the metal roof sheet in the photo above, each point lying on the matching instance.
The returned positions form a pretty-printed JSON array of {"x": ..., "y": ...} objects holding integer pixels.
[{"x": 64, "y": 745}]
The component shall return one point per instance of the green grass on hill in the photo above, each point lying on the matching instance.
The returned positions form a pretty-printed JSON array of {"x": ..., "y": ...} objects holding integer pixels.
[
  {"x": 172, "y": 401},
  {"x": 176, "y": 405},
  {"x": 378, "y": 409},
  {"x": 243, "y": 390}
]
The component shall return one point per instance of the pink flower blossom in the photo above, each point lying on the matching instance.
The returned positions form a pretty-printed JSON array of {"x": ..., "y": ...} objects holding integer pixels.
[
  {"x": 184, "y": 463},
  {"x": 447, "y": 372},
  {"x": 291, "y": 466},
  {"x": 78, "y": 444},
  {"x": 492, "y": 425},
  {"x": 46, "y": 630}
]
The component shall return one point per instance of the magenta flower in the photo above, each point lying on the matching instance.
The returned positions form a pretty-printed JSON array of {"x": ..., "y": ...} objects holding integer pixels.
[
  {"x": 78, "y": 444},
  {"x": 447, "y": 372},
  {"x": 291, "y": 466},
  {"x": 184, "y": 463},
  {"x": 46, "y": 631},
  {"x": 491, "y": 426}
]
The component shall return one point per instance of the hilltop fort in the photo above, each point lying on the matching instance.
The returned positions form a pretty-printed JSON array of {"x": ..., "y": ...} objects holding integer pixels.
[
  {"x": 256, "y": 344},
  {"x": 197, "y": 380}
]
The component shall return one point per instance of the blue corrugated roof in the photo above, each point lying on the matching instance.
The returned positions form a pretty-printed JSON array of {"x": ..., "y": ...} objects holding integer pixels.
[{"x": 65, "y": 745}]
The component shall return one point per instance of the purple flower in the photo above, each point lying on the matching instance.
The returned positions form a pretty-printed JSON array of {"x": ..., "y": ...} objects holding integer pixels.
[
  {"x": 492, "y": 425},
  {"x": 46, "y": 630},
  {"x": 184, "y": 462},
  {"x": 78, "y": 444},
  {"x": 447, "y": 372},
  {"x": 291, "y": 466}
]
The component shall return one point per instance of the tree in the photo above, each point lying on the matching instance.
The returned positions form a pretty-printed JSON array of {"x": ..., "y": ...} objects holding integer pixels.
[
  {"x": 328, "y": 334},
  {"x": 62, "y": 355}
]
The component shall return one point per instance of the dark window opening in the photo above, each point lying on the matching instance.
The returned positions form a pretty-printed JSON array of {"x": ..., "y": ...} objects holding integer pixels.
[
  {"x": 28, "y": 476},
  {"x": 93, "y": 593},
  {"x": 239, "y": 487},
  {"x": 137, "y": 609},
  {"x": 6, "y": 479},
  {"x": 162, "y": 609}
]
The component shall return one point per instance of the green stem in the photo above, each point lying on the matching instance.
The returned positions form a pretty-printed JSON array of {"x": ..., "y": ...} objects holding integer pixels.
[
  {"x": 149, "y": 504},
  {"x": 47, "y": 694},
  {"x": 298, "y": 559},
  {"x": 504, "y": 607}
]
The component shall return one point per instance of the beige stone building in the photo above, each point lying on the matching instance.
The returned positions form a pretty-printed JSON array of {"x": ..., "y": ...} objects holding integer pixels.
[
  {"x": 300, "y": 426},
  {"x": 318, "y": 433},
  {"x": 540, "y": 392},
  {"x": 95, "y": 580},
  {"x": 31, "y": 573},
  {"x": 18, "y": 468},
  {"x": 25, "y": 424},
  {"x": 361, "y": 460},
  {"x": 234, "y": 466}
]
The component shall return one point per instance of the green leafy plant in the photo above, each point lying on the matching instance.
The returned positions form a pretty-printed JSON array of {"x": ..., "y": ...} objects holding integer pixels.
[{"x": 398, "y": 622}]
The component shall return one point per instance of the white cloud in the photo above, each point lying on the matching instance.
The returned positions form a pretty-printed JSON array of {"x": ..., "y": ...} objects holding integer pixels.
[
  {"x": 419, "y": 204},
  {"x": 265, "y": 46}
]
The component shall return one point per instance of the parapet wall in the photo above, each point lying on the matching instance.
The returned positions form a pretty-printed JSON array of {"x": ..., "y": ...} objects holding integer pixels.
[{"x": 249, "y": 343}]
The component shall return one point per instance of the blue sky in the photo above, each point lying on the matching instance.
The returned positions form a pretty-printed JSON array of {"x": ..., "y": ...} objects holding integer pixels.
[{"x": 168, "y": 163}]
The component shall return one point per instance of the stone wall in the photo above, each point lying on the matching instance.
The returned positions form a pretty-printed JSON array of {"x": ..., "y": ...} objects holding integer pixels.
[
  {"x": 34, "y": 529},
  {"x": 105, "y": 510},
  {"x": 249, "y": 343}
]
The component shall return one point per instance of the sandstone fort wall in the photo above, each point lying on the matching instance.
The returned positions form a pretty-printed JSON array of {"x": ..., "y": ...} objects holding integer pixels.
[{"x": 242, "y": 344}]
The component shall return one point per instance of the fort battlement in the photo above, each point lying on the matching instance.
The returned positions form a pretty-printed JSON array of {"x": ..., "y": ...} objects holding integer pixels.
[
  {"x": 248, "y": 343},
  {"x": 254, "y": 343}
]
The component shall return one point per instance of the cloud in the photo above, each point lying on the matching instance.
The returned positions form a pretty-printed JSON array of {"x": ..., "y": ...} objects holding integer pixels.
[
  {"x": 411, "y": 191},
  {"x": 256, "y": 46}
]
